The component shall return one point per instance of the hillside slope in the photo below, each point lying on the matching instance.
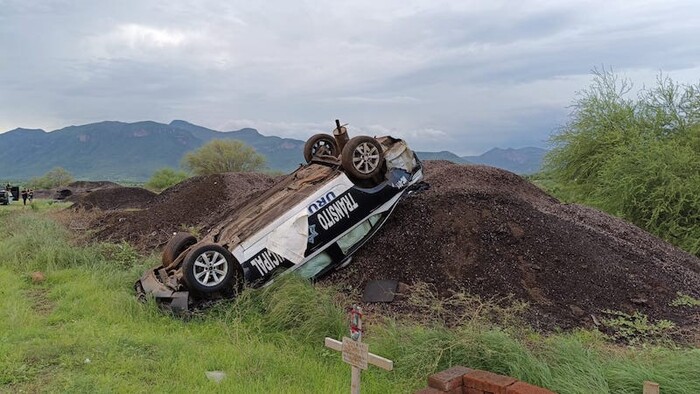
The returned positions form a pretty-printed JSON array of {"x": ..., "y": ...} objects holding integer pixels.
[{"x": 126, "y": 151}]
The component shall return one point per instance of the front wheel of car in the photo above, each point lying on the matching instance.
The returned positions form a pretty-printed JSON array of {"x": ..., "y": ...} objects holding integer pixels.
[
  {"x": 210, "y": 268},
  {"x": 363, "y": 157}
]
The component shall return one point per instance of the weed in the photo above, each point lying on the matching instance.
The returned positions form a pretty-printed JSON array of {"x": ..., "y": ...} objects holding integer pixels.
[
  {"x": 636, "y": 327},
  {"x": 462, "y": 307},
  {"x": 684, "y": 300},
  {"x": 194, "y": 230},
  {"x": 122, "y": 254}
]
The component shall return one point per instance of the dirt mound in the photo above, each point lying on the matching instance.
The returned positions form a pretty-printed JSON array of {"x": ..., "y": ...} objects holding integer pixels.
[
  {"x": 115, "y": 198},
  {"x": 89, "y": 185},
  {"x": 490, "y": 232},
  {"x": 74, "y": 191},
  {"x": 195, "y": 204}
]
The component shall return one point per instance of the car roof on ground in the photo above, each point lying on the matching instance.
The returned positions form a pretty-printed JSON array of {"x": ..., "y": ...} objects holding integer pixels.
[{"x": 275, "y": 202}]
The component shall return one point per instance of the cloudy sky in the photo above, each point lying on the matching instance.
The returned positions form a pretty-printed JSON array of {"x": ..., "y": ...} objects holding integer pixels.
[{"x": 462, "y": 75}]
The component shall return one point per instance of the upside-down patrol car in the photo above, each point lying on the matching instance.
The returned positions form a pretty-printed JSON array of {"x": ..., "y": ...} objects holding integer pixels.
[{"x": 311, "y": 222}]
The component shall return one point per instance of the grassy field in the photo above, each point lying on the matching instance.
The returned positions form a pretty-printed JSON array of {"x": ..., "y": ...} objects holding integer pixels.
[{"x": 81, "y": 330}]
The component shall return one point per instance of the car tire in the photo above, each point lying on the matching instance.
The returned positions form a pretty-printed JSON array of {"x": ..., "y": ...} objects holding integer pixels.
[
  {"x": 175, "y": 246},
  {"x": 210, "y": 268},
  {"x": 363, "y": 157},
  {"x": 320, "y": 144}
]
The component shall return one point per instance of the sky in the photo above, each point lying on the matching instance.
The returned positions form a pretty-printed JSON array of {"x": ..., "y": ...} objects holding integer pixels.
[{"x": 463, "y": 76}]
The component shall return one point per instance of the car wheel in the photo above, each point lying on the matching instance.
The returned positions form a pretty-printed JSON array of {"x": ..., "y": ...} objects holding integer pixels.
[
  {"x": 363, "y": 157},
  {"x": 175, "y": 246},
  {"x": 320, "y": 144},
  {"x": 209, "y": 268}
]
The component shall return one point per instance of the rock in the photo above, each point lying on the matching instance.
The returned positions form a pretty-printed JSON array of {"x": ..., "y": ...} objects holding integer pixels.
[
  {"x": 38, "y": 277},
  {"x": 577, "y": 311},
  {"x": 215, "y": 376}
]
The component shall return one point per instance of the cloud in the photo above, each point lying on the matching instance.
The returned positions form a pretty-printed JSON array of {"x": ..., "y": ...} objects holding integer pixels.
[
  {"x": 138, "y": 36},
  {"x": 463, "y": 76}
]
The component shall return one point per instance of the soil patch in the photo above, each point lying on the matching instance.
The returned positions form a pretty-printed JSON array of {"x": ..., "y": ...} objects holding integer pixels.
[{"x": 41, "y": 303}]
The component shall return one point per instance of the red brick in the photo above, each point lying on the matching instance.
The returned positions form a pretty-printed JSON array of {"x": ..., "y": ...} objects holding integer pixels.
[
  {"x": 471, "y": 391},
  {"x": 487, "y": 382},
  {"x": 526, "y": 388},
  {"x": 433, "y": 390},
  {"x": 448, "y": 379}
]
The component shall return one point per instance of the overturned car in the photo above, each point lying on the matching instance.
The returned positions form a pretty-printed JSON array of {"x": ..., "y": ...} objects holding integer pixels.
[{"x": 311, "y": 222}]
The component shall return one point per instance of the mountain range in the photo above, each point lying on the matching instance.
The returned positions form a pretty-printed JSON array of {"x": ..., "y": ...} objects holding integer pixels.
[{"x": 133, "y": 151}]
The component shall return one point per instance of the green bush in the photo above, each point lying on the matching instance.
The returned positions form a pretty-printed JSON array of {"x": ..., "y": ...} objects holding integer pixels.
[
  {"x": 635, "y": 158},
  {"x": 219, "y": 156},
  {"x": 164, "y": 178},
  {"x": 55, "y": 178}
]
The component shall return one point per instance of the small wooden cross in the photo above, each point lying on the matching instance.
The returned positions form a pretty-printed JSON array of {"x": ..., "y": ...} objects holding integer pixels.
[{"x": 357, "y": 353}]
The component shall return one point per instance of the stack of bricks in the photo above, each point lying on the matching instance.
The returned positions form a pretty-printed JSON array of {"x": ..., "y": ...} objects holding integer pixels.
[{"x": 462, "y": 380}]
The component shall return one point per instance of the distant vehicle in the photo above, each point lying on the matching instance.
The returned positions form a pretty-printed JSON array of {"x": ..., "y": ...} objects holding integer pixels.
[
  {"x": 311, "y": 222},
  {"x": 4, "y": 197}
]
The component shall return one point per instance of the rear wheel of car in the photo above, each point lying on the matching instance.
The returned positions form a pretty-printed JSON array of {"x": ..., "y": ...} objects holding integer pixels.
[
  {"x": 175, "y": 246},
  {"x": 210, "y": 268},
  {"x": 362, "y": 157},
  {"x": 320, "y": 144}
]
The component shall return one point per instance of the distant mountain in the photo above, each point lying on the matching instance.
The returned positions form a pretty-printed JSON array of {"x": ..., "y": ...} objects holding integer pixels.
[
  {"x": 520, "y": 161},
  {"x": 443, "y": 155},
  {"x": 126, "y": 151},
  {"x": 133, "y": 151}
]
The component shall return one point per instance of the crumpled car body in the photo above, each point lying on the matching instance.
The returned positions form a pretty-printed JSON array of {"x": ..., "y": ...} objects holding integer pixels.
[{"x": 311, "y": 222}]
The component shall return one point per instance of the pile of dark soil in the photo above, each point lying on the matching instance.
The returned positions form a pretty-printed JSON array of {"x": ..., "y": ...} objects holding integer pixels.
[
  {"x": 477, "y": 229},
  {"x": 115, "y": 198},
  {"x": 74, "y": 191},
  {"x": 197, "y": 204},
  {"x": 91, "y": 185},
  {"x": 489, "y": 232}
]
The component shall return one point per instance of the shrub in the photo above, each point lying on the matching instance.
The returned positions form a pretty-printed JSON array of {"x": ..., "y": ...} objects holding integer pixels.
[
  {"x": 164, "y": 178},
  {"x": 55, "y": 178},
  {"x": 635, "y": 158},
  {"x": 219, "y": 156}
]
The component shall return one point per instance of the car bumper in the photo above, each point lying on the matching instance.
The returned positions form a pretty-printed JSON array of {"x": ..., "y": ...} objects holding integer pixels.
[{"x": 151, "y": 284}]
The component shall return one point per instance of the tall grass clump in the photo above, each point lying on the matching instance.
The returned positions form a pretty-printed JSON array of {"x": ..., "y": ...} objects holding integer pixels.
[
  {"x": 32, "y": 242},
  {"x": 291, "y": 305}
]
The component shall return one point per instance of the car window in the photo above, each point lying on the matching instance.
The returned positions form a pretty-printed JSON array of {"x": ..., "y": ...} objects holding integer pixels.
[
  {"x": 315, "y": 265},
  {"x": 347, "y": 241},
  {"x": 319, "y": 262}
]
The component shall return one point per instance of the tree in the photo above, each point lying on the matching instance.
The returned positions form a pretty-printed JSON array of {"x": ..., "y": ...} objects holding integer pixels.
[
  {"x": 219, "y": 156},
  {"x": 164, "y": 178},
  {"x": 55, "y": 178},
  {"x": 635, "y": 158}
]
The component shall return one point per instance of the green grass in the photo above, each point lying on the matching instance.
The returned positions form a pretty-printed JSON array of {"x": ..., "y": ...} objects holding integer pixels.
[{"x": 81, "y": 330}]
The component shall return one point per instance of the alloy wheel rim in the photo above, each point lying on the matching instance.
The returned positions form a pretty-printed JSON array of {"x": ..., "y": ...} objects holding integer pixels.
[
  {"x": 365, "y": 158},
  {"x": 210, "y": 268}
]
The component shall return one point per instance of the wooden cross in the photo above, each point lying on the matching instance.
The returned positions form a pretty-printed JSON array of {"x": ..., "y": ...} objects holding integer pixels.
[{"x": 357, "y": 353}]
